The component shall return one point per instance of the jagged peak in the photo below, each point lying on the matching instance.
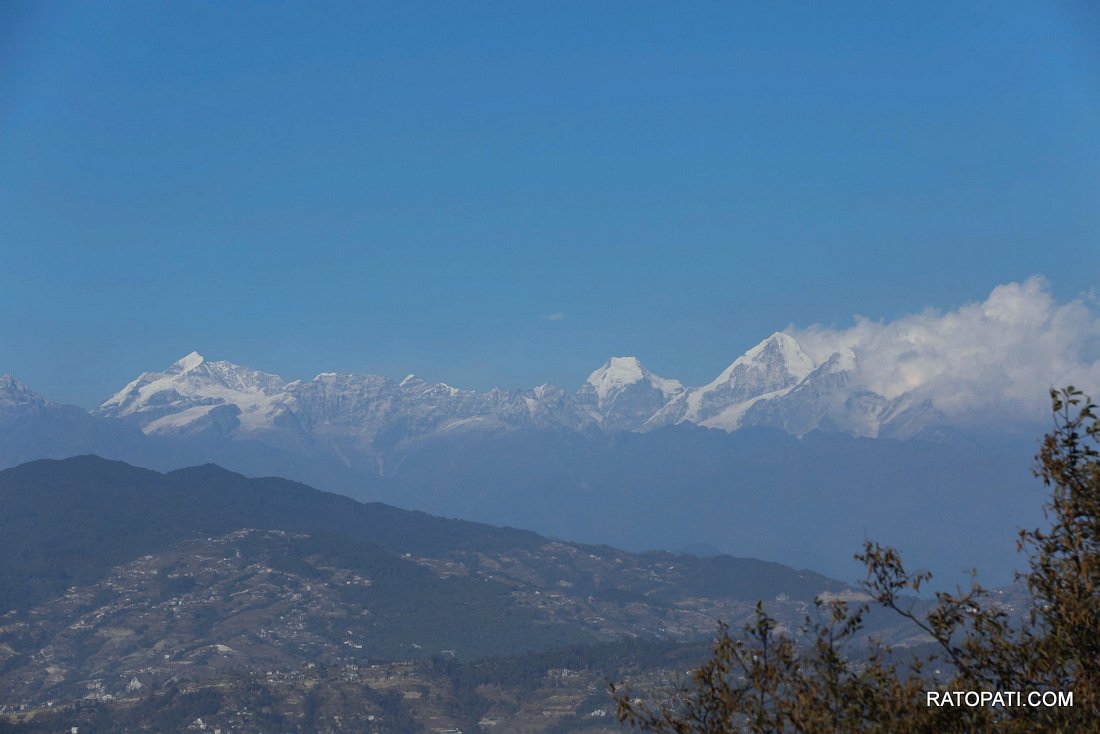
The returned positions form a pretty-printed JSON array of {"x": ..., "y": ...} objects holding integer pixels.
[
  {"x": 786, "y": 344},
  {"x": 14, "y": 392},
  {"x": 786, "y": 347},
  {"x": 189, "y": 362},
  {"x": 842, "y": 360},
  {"x": 9, "y": 381},
  {"x": 12, "y": 385},
  {"x": 619, "y": 372}
]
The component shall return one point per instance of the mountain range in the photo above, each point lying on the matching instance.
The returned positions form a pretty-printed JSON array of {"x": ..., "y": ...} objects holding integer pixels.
[
  {"x": 779, "y": 457},
  {"x": 774, "y": 384}
]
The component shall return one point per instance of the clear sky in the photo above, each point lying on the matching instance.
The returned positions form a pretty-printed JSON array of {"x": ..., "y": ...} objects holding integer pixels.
[{"x": 509, "y": 193}]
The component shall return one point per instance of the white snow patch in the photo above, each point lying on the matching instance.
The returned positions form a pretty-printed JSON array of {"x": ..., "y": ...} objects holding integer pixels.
[
  {"x": 621, "y": 372},
  {"x": 797, "y": 363},
  {"x": 175, "y": 421},
  {"x": 188, "y": 363},
  {"x": 192, "y": 387},
  {"x": 729, "y": 418}
]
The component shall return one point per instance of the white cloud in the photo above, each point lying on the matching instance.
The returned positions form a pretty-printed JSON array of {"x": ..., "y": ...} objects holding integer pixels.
[
  {"x": 556, "y": 316},
  {"x": 1002, "y": 354}
]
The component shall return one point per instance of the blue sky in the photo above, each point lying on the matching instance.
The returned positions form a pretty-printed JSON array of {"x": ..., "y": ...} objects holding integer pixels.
[{"x": 415, "y": 188}]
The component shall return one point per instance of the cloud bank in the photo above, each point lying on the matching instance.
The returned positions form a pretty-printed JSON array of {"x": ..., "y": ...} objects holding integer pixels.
[{"x": 1000, "y": 355}]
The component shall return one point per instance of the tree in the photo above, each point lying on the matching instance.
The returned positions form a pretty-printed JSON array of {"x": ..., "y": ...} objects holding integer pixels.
[{"x": 760, "y": 681}]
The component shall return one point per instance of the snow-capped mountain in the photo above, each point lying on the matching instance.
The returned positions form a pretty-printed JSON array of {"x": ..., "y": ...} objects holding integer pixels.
[
  {"x": 826, "y": 399},
  {"x": 195, "y": 396},
  {"x": 369, "y": 410},
  {"x": 775, "y": 383},
  {"x": 623, "y": 394},
  {"x": 768, "y": 371},
  {"x": 16, "y": 398},
  {"x": 556, "y": 460},
  {"x": 831, "y": 399}
]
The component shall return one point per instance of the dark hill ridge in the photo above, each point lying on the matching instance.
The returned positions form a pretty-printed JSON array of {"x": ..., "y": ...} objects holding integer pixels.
[
  {"x": 210, "y": 594},
  {"x": 77, "y": 517},
  {"x": 66, "y": 522}
]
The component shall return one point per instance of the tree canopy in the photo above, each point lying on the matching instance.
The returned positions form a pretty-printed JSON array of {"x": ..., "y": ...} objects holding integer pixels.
[{"x": 761, "y": 680}]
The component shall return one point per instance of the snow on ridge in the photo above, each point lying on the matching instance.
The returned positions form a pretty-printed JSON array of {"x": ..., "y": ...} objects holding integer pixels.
[
  {"x": 767, "y": 371},
  {"x": 191, "y": 387},
  {"x": 793, "y": 359},
  {"x": 621, "y": 372},
  {"x": 189, "y": 362},
  {"x": 843, "y": 360},
  {"x": 11, "y": 384},
  {"x": 729, "y": 418},
  {"x": 621, "y": 395},
  {"x": 114, "y": 404},
  {"x": 617, "y": 372},
  {"x": 172, "y": 421},
  {"x": 14, "y": 392}
]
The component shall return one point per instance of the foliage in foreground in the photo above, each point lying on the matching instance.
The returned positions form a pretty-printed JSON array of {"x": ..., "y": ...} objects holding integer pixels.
[{"x": 761, "y": 681}]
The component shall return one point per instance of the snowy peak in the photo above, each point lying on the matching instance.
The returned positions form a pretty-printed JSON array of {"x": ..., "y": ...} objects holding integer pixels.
[
  {"x": 775, "y": 364},
  {"x": 616, "y": 372},
  {"x": 775, "y": 383},
  {"x": 14, "y": 395},
  {"x": 767, "y": 371},
  {"x": 188, "y": 363},
  {"x": 623, "y": 394},
  {"x": 10, "y": 385},
  {"x": 826, "y": 398},
  {"x": 192, "y": 390},
  {"x": 780, "y": 355},
  {"x": 621, "y": 372}
]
